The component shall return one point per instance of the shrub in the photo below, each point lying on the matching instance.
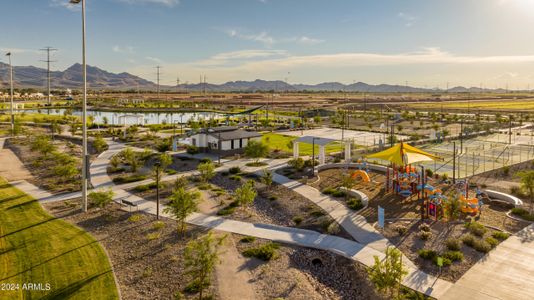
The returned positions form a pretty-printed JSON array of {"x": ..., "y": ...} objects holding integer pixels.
[
  {"x": 297, "y": 220},
  {"x": 500, "y": 235},
  {"x": 192, "y": 149},
  {"x": 204, "y": 186},
  {"x": 273, "y": 198},
  {"x": 158, "y": 225},
  {"x": 135, "y": 218},
  {"x": 248, "y": 239},
  {"x": 454, "y": 255},
  {"x": 469, "y": 240},
  {"x": 297, "y": 164},
  {"x": 141, "y": 188},
  {"x": 333, "y": 228},
  {"x": 506, "y": 170},
  {"x": 235, "y": 177},
  {"x": 128, "y": 179},
  {"x": 194, "y": 287},
  {"x": 317, "y": 213},
  {"x": 446, "y": 261},
  {"x": 328, "y": 191},
  {"x": 234, "y": 170},
  {"x": 427, "y": 253},
  {"x": 424, "y": 227},
  {"x": 482, "y": 246},
  {"x": 355, "y": 204},
  {"x": 400, "y": 229},
  {"x": 101, "y": 198},
  {"x": 453, "y": 244},
  {"x": 425, "y": 235},
  {"x": 153, "y": 236},
  {"x": 264, "y": 252},
  {"x": 492, "y": 242},
  {"x": 523, "y": 213},
  {"x": 476, "y": 228},
  {"x": 338, "y": 194},
  {"x": 226, "y": 211}
]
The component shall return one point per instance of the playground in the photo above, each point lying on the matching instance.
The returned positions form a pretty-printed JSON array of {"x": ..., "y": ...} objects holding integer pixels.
[{"x": 425, "y": 215}]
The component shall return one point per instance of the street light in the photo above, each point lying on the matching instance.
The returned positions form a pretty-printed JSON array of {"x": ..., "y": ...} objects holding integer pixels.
[
  {"x": 85, "y": 166},
  {"x": 157, "y": 171},
  {"x": 11, "y": 91},
  {"x": 313, "y": 155}
]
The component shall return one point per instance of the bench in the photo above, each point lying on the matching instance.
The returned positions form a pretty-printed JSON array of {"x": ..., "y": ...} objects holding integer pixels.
[
  {"x": 128, "y": 203},
  {"x": 499, "y": 196}
]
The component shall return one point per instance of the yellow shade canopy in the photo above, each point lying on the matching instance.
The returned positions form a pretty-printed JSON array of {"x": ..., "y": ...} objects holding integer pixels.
[{"x": 404, "y": 154}]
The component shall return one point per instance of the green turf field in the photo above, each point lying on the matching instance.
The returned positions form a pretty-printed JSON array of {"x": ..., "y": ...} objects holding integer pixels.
[
  {"x": 38, "y": 248},
  {"x": 281, "y": 142}
]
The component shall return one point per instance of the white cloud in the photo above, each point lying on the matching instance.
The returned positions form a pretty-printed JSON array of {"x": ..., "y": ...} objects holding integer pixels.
[
  {"x": 237, "y": 57},
  {"x": 125, "y": 49},
  {"x": 169, "y": 3},
  {"x": 409, "y": 20},
  {"x": 268, "y": 40},
  {"x": 4, "y": 50},
  {"x": 154, "y": 59}
]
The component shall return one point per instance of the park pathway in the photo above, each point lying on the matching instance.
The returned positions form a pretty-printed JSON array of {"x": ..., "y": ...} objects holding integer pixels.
[
  {"x": 507, "y": 272},
  {"x": 358, "y": 252}
]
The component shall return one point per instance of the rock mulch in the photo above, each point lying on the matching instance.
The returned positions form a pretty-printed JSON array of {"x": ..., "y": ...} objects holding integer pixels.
[{"x": 147, "y": 262}]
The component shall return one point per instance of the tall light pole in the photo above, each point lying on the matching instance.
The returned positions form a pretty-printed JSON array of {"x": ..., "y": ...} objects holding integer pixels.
[
  {"x": 11, "y": 93},
  {"x": 85, "y": 160}
]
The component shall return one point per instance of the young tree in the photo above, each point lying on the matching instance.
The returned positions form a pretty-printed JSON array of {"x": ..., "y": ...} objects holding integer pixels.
[
  {"x": 100, "y": 144},
  {"x": 43, "y": 145},
  {"x": 66, "y": 172},
  {"x": 165, "y": 160},
  {"x": 256, "y": 150},
  {"x": 101, "y": 198},
  {"x": 527, "y": 184},
  {"x": 130, "y": 158},
  {"x": 297, "y": 164},
  {"x": 115, "y": 161},
  {"x": 206, "y": 171},
  {"x": 245, "y": 194},
  {"x": 201, "y": 256},
  {"x": 387, "y": 274},
  {"x": 181, "y": 182},
  {"x": 267, "y": 178},
  {"x": 182, "y": 204},
  {"x": 452, "y": 207},
  {"x": 347, "y": 182},
  {"x": 73, "y": 128}
]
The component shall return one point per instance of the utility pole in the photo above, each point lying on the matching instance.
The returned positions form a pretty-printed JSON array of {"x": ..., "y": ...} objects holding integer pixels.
[
  {"x": 453, "y": 162},
  {"x": 510, "y": 129},
  {"x": 11, "y": 93},
  {"x": 158, "y": 68},
  {"x": 177, "y": 84},
  {"x": 48, "y": 61}
]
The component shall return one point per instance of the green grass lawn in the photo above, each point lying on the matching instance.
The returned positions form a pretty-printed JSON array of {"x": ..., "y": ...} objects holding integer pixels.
[
  {"x": 38, "y": 248},
  {"x": 280, "y": 142}
]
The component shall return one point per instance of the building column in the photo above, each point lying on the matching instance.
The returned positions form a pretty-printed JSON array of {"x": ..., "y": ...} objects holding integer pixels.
[
  {"x": 347, "y": 152},
  {"x": 322, "y": 155},
  {"x": 295, "y": 150}
]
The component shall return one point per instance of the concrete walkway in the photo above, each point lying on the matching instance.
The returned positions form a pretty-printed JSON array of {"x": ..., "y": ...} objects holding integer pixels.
[
  {"x": 415, "y": 279},
  {"x": 507, "y": 272},
  {"x": 356, "y": 225}
]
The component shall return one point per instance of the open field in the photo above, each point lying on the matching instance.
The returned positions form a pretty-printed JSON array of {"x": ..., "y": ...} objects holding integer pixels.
[
  {"x": 281, "y": 142},
  {"x": 38, "y": 248},
  {"x": 526, "y": 104}
]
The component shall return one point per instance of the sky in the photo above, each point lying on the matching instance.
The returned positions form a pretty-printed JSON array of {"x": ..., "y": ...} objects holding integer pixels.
[{"x": 425, "y": 43}]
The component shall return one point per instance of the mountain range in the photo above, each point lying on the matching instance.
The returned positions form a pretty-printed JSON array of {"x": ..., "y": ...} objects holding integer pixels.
[{"x": 34, "y": 77}]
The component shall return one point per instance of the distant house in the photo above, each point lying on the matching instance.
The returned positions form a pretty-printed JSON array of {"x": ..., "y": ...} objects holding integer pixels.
[{"x": 230, "y": 139}]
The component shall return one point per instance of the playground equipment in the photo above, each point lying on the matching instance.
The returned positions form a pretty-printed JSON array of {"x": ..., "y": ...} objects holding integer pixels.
[
  {"x": 432, "y": 201},
  {"x": 470, "y": 206},
  {"x": 362, "y": 175}
]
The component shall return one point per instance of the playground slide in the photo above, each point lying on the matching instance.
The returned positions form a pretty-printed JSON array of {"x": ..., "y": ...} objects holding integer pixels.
[
  {"x": 470, "y": 205},
  {"x": 362, "y": 175}
]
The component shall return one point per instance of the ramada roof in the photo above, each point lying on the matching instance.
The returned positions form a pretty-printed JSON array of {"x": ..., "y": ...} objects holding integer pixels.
[{"x": 234, "y": 134}]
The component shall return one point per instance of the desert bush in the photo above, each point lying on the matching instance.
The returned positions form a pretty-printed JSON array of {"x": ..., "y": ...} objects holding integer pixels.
[
  {"x": 135, "y": 218},
  {"x": 453, "y": 244},
  {"x": 468, "y": 239},
  {"x": 101, "y": 198},
  {"x": 158, "y": 225},
  {"x": 248, "y": 239},
  {"x": 297, "y": 164},
  {"x": 338, "y": 194},
  {"x": 355, "y": 204},
  {"x": 425, "y": 235},
  {"x": 400, "y": 229},
  {"x": 523, "y": 213},
  {"x": 234, "y": 170},
  {"x": 128, "y": 179},
  {"x": 424, "y": 227},
  {"x": 482, "y": 246},
  {"x": 476, "y": 228},
  {"x": 333, "y": 228},
  {"x": 454, "y": 255},
  {"x": 264, "y": 252},
  {"x": 192, "y": 149},
  {"x": 427, "y": 253},
  {"x": 492, "y": 242},
  {"x": 500, "y": 235}
]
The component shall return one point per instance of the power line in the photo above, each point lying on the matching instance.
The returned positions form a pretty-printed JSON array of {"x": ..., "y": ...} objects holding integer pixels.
[
  {"x": 158, "y": 68},
  {"x": 48, "y": 61}
]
